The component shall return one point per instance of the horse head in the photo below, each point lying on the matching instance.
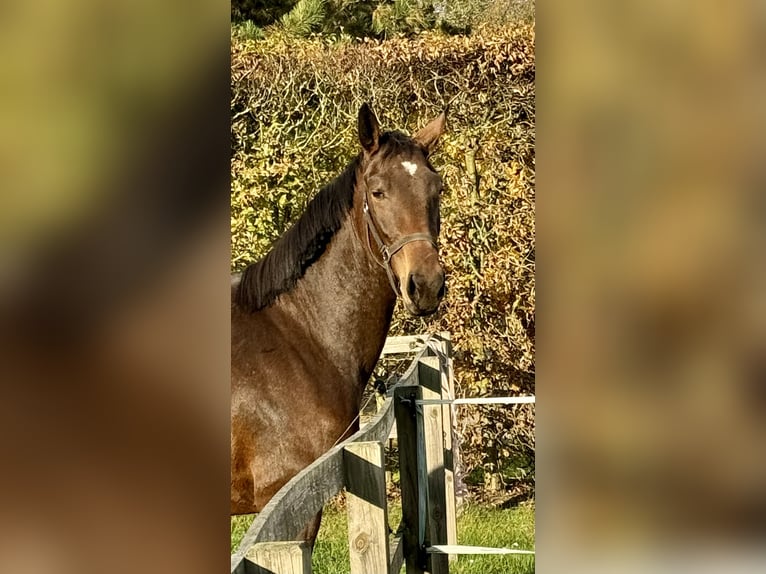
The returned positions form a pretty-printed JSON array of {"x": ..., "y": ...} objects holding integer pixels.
[{"x": 401, "y": 196}]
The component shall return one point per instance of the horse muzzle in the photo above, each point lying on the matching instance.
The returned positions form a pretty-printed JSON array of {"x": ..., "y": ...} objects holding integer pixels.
[{"x": 422, "y": 293}]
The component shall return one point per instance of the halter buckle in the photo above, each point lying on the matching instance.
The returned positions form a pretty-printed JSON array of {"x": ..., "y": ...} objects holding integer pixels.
[{"x": 385, "y": 254}]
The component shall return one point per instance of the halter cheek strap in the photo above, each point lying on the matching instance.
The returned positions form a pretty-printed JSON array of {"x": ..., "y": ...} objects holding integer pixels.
[{"x": 388, "y": 251}]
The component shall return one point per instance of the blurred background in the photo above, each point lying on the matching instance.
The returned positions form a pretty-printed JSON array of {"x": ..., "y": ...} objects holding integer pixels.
[
  {"x": 114, "y": 154},
  {"x": 652, "y": 311}
]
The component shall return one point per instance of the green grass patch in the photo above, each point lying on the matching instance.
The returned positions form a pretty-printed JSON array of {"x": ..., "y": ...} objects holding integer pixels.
[
  {"x": 496, "y": 528},
  {"x": 239, "y": 525},
  {"x": 477, "y": 526}
]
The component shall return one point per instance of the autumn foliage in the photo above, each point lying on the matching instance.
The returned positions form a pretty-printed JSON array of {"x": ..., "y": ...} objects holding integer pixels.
[{"x": 294, "y": 105}]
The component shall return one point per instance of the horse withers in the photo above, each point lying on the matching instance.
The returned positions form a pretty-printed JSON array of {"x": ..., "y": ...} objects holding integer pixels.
[{"x": 309, "y": 320}]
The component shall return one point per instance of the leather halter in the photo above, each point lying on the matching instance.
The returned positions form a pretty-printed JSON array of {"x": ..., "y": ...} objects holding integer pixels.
[{"x": 388, "y": 251}]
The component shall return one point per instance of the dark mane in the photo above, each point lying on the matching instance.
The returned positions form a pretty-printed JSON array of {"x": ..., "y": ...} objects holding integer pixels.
[{"x": 300, "y": 246}]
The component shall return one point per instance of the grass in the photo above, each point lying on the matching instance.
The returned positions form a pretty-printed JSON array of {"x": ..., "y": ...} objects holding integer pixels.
[
  {"x": 239, "y": 525},
  {"x": 499, "y": 528},
  {"x": 476, "y": 526}
]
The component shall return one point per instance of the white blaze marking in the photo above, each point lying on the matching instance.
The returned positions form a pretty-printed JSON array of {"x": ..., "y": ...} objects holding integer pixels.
[{"x": 410, "y": 167}]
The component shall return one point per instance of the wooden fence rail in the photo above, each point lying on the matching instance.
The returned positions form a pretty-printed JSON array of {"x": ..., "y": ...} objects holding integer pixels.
[{"x": 358, "y": 465}]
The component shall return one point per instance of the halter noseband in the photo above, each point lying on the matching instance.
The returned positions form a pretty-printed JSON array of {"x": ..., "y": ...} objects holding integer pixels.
[{"x": 388, "y": 251}]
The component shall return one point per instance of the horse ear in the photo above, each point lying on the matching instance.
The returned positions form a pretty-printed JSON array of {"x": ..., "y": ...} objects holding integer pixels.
[
  {"x": 428, "y": 135},
  {"x": 369, "y": 129}
]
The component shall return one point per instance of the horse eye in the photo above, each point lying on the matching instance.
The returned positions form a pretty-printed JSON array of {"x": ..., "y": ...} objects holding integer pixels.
[{"x": 377, "y": 194}]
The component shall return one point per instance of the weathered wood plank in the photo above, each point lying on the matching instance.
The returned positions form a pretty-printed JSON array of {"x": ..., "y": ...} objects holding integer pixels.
[
  {"x": 364, "y": 468},
  {"x": 279, "y": 558},
  {"x": 238, "y": 565},
  {"x": 450, "y": 446},
  {"x": 299, "y": 500},
  {"x": 286, "y": 515},
  {"x": 406, "y": 423},
  {"x": 403, "y": 344},
  {"x": 410, "y": 375},
  {"x": 433, "y": 435},
  {"x": 379, "y": 426},
  {"x": 396, "y": 553}
]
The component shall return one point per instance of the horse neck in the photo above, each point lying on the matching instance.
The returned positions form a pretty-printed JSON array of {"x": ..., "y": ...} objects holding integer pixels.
[{"x": 345, "y": 303}]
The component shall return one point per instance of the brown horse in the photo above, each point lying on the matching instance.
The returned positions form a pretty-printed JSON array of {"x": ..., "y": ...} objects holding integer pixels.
[{"x": 309, "y": 320}]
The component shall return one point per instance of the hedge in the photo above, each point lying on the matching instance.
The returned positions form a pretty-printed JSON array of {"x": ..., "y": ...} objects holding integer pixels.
[{"x": 294, "y": 105}]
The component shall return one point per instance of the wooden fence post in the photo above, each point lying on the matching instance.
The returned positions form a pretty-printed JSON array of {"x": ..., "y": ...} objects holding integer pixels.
[
  {"x": 280, "y": 558},
  {"x": 430, "y": 380},
  {"x": 451, "y": 446},
  {"x": 409, "y": 479},
  {"x": 364, "y": 471}
]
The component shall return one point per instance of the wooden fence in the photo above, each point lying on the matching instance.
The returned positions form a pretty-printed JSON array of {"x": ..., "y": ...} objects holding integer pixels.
[{"x": 424, "y": 436}]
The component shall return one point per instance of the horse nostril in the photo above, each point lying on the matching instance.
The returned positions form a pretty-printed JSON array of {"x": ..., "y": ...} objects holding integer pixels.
[
  {"x": 411, "y": 287},
  {"x": 442, "y": 289}
]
